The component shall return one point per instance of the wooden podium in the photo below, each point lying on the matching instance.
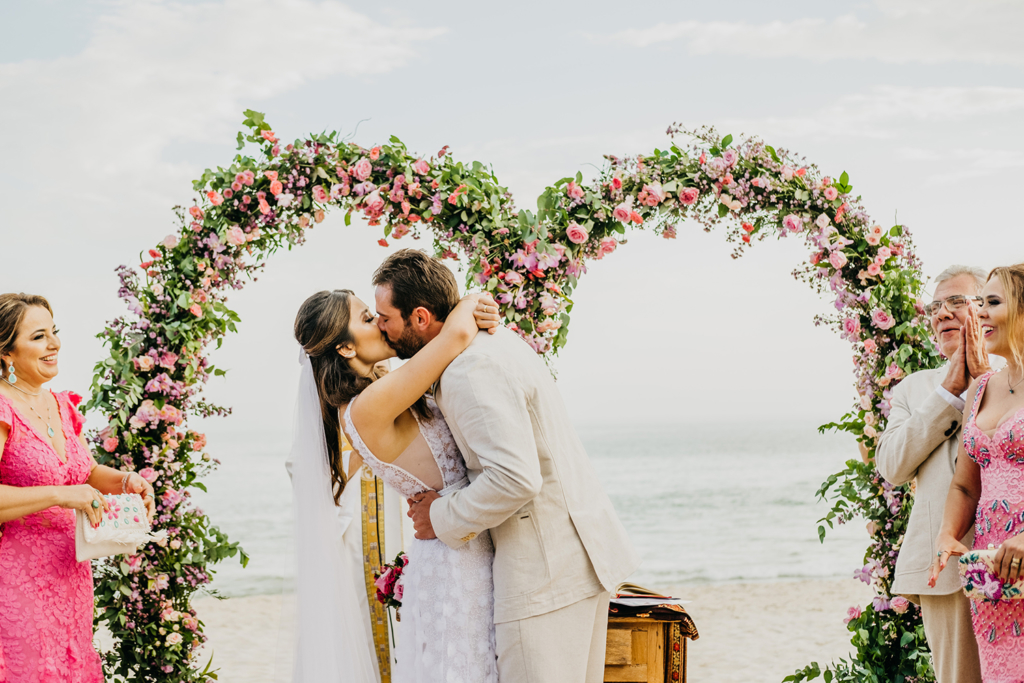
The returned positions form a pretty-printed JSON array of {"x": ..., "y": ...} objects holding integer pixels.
[{"x": 646, "y": 650}]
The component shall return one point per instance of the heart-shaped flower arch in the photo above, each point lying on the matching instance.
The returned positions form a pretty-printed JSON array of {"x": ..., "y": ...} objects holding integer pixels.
[{"x": 530, "y": 262}]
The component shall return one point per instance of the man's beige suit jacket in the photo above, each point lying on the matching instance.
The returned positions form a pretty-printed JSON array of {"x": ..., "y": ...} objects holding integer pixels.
[
  {"x": 557, "y": 539},
  {"x": 921, "y": 440}
]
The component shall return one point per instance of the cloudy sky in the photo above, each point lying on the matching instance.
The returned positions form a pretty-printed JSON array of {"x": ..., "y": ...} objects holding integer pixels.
[{"x": 109, "y": 109}]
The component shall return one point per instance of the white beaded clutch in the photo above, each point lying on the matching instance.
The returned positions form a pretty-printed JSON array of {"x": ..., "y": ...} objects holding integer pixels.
[{"x": 122, "y": 530}]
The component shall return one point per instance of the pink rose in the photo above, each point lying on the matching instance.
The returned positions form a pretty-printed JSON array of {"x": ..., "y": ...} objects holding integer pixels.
[
  {"x": 319, "y": 193},
  {"x": 881, "y": 319},
  {"x": 196, "y": 212},
  {"x": 361, "y": 171},
  {"x": 884, "y": 253},
  {"x": 851, "y": 614},
  {"x": 161, "y": 582},
  {"x": 787, "y": 173},
  {"x": 573, "y": 190},
  {"x": 110, "y": 445},
  {"x": 688, "y": 195},
  {"x": 248, "y": 177},
  {"x": 268, "y": 135},
  {"x": 874, "y": 269},
  {"x": 375, "y": 153},
  {"x": 271, "y": 175},
  {"x": 608, "y": 245},
  {"x": 576, "y": 233},
  {"x": 148, "y": 473},
  {"x": 851, "y": 327},
  {"x": 374, "y": 202},
  {"x": 899, "y": 604},
  {"x": 196, "y": 310},
  {"x": 621, "y": 213},
  {"x": 616, "y": 183},
  {"x": 399, "y": 591},
  {"x": 655, "y": 193},
  {"x": 235, "y": 236},
  {"x": 421, "y": 167},
  {"x": 793, "y": 223},
  {"x": 894, "y": 371},
  {"x": 831, "y": 193},
  {"x": 513, "y": 278},
  {"x": 870, "y": 346},
  {"x": 276, "y": 187},
  {"x": 873, "y": 240},
  {"x": 215, "y": 197},
  {"x": 837, "y": 259},
  {"x": 170, "y": 242}
]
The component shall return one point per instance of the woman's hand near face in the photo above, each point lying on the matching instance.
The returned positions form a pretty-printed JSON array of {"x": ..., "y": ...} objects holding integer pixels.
[
  {"x": 975, "y": 355},
  {"x": 82, "y": 497}
]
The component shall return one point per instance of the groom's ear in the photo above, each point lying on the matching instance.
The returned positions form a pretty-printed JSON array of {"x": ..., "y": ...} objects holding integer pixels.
[{"x": 420, "y": 319}]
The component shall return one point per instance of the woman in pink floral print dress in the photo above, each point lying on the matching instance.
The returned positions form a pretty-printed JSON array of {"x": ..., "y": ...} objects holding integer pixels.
[
  {"x": 46, "y": 472},
  {"x": 988, "y": 486}
]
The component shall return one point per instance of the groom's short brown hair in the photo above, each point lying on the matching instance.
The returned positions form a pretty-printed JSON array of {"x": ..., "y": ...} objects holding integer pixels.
[{"x": 415, "y": 280}]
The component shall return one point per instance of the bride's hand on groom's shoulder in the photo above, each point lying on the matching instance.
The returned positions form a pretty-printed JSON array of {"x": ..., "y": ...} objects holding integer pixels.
[{"x": 485, "y": 312}]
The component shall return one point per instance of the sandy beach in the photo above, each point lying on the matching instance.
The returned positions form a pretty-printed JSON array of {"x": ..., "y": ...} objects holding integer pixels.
[{"x": 749, "y": 633}]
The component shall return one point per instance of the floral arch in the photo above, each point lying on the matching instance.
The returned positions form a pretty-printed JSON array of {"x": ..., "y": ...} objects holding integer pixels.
[{"x": 531, "y": 262}]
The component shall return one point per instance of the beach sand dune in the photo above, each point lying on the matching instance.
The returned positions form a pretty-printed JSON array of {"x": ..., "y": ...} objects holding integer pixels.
[{"x": 749, "y": 633}]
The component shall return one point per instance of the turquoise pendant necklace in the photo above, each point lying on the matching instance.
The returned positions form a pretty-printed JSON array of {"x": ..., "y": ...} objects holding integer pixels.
[{"x": 49, "y": 416}]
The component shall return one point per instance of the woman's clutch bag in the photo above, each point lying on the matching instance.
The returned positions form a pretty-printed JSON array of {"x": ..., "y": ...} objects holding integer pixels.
[
  {"x": 122, "y": 530},
  {"x": 981, "y": 580}
]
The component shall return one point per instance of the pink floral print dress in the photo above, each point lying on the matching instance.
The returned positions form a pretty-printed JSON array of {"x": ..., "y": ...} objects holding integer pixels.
[
  {"x": 46, "y": 600},
  {"x": 998, "y": 625}
]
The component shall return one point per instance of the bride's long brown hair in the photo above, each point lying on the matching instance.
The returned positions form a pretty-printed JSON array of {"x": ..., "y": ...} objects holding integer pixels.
[{"x": 321, "y": 326}]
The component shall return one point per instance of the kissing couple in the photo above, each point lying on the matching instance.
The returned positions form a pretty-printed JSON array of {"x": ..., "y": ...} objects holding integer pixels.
[{"x": 517, "y": 547}]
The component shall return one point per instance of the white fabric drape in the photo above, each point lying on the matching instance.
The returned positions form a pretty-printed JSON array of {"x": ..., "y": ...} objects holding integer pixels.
[{"x": 334, "y": 638}]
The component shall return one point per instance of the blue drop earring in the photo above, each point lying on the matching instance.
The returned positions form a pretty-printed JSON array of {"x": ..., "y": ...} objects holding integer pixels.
[{"x": 11, "y": 378}]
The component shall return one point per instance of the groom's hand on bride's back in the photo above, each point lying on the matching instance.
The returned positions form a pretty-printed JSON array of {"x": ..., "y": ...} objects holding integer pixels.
[{"x": 419, "y": 511}]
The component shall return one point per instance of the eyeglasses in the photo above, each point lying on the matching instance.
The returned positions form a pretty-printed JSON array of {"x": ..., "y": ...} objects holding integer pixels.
[{"x": 952, "y": 303}]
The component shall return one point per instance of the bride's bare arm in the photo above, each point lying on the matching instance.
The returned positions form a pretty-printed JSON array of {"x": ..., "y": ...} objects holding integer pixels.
[{"x": 381, "y": 403}]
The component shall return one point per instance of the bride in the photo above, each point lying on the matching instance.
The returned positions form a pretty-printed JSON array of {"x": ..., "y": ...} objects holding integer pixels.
[{"x": 447, "y": 627}]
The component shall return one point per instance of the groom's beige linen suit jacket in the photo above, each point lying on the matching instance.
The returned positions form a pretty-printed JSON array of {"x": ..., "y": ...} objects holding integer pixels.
[
  {"x": 921, "y": 440},
  {"x": 557, "y": 539}
]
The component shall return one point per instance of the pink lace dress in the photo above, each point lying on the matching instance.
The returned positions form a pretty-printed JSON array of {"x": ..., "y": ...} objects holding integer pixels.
[
  {"x": 46, "y": 601},
  {"x": 998, "y": 626},
  {"x": 446, "y": 634}
]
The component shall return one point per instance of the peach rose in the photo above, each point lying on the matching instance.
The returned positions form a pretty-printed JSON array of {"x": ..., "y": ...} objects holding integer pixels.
[
  {"x": 235, "y": 236},
  {"x": 196, "y": 310},
  {"x": 214, "y": 197},
  {"x": 421, "y": 167}
]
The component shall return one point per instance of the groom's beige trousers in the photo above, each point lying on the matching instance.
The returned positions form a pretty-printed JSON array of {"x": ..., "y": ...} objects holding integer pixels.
[
  {"x": 947, "y": 625},
  {"x": 563, "y": 646}
]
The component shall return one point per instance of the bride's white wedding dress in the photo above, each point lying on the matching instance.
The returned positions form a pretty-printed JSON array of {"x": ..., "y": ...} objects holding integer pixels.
[{"x": 446, "y": 632}]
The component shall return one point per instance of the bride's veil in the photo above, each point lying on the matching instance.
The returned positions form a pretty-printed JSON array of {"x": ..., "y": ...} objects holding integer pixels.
[{"x": 333, "y": 638}]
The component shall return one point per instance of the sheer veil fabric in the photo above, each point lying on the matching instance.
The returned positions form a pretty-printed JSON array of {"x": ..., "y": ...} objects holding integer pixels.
[{"x": 334, "y": 641}]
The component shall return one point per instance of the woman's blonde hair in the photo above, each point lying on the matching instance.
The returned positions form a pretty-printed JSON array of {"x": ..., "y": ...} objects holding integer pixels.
[
  {"x": 1012, "y": 279},
  {"x": 12, "y": 311}
]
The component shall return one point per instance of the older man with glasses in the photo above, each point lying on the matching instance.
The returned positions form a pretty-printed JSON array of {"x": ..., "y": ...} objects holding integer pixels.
[{"x": 921, "y": 441}]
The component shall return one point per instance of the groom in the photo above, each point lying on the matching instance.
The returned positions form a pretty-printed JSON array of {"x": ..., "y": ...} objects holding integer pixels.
[{"x": 559, "y": 548}]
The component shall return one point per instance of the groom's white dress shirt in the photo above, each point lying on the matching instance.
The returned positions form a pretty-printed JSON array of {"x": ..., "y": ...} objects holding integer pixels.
[{"x": 557, "y": 539}]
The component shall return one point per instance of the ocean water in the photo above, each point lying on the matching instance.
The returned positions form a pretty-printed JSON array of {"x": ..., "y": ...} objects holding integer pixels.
[{"x": 703, "y": 503}]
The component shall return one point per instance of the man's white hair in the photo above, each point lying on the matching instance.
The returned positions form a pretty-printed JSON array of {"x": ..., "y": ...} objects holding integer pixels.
[{"x": 979, "y": 275}]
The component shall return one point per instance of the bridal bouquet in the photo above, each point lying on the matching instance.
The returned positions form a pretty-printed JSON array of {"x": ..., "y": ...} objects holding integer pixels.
[{"x": 389, "y": 582}]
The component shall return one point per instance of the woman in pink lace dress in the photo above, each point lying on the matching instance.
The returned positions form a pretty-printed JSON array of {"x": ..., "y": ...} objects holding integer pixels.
[
  {"x": 46, "y": 472},
  {"x": 988, "y": 486}
]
